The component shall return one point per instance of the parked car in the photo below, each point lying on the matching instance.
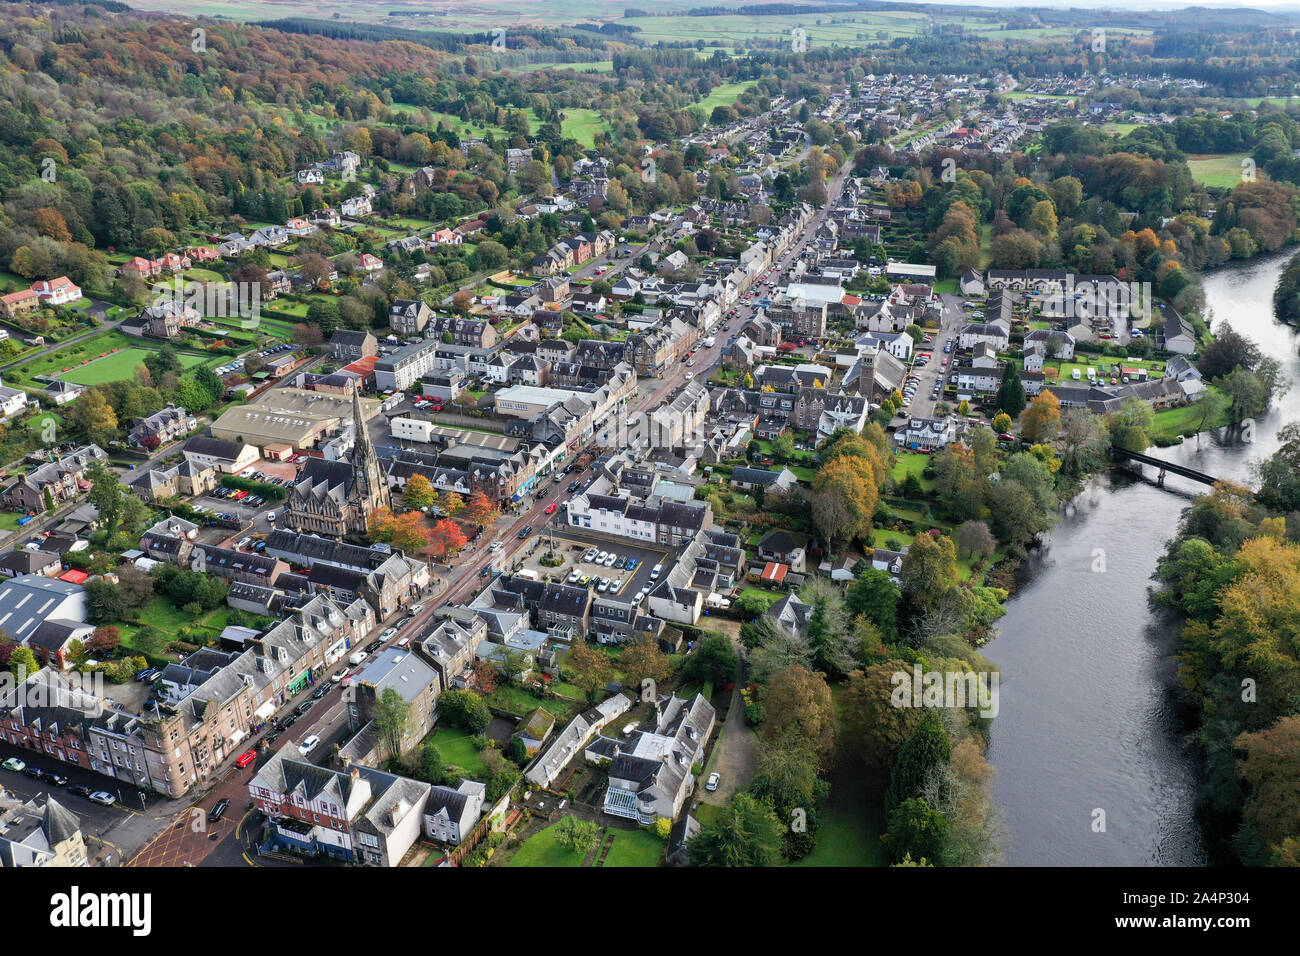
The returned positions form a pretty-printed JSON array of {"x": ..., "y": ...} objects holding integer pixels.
[
  {"x": 14, "y": 764},
  {"x": 714, "y": 779},
  {"x": 320, "y": 692},
  {"x": 56, "y": 779},
  {"x": 79, "y": 790},
  {"x": 218, "y": 811},
  {"x": 36, "y": 773},
  {"x": 305, "y": 706},
  {"x": 103, "y": 798}
]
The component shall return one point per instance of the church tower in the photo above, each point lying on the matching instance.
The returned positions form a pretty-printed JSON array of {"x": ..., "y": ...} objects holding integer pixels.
[{"x": 370, "y": 485}]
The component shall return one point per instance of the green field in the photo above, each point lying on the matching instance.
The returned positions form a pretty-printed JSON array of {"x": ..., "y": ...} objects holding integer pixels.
[
  {"x": 1221, "y": 170},
  {"x": 541, "y": 849},
  {"x": 634, "y": 848},
  {"x": 587, "y": 66},
  {"x": 119, "y": 366},
  {"x": 583, "y": 125},
  {"x": 724, "y": 94}
]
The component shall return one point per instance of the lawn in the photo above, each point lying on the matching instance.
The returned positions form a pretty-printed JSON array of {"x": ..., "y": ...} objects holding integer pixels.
[
  {"x": 541, "y": 849},
  {"x": 912, "y": 463},
  {"x": 771, "y": 597},
  {"x": 456, "y": 747},
  {"x": 634, "y": 848},
  {"x": 120, "y": 365},
  {"x": 1172, "y": 422},
  {"x": 1223, "y": 170},
  {"x": 845, "y": 838},
  {"x": 162, "y": 614},
  {"x": 516, "y": 700}
]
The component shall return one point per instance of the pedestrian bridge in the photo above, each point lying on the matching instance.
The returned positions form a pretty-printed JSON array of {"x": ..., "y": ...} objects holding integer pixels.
[{"x": 1123, "y": 454}]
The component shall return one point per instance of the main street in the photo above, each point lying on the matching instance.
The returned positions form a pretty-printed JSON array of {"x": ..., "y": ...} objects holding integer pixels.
[{"x": 189, "y": 839}]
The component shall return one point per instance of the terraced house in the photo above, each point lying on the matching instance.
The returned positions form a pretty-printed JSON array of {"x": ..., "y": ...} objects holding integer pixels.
[{"x": 63, "y": 479}]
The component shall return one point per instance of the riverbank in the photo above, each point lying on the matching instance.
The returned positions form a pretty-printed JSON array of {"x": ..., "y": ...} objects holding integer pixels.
[{"x": 1092, "y": 731}]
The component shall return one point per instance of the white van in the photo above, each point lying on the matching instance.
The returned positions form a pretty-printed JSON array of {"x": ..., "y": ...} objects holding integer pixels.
[
  {"x": 654, "y": 572},
  {"x": 357, "y": 658}
]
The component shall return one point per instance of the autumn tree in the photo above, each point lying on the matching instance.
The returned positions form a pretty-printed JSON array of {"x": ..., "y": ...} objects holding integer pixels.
[
  {"x": 1041, "y": 419},
  {"x": 1270, "y": 767},
  {"x": 419, "y": 492},
  {"x": 929, "y": 569},
  {"x": 445, "y": 539},
  {"x": 591, "y": 668},
  {"x": 479, "y": 509},
  {"x": 798, "y": 706},
  {"x": 407, "y": 532},
  {"x": 870, "y": 722},
  {"x": 643, "y": 660},
  {"x": 844, "y": 500}
]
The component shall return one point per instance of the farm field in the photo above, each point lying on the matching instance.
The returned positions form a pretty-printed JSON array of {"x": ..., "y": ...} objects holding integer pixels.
[{"x": 1221, "y": 170}]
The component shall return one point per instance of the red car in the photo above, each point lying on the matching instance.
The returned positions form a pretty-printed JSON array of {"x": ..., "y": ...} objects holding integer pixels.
[
  {"x": 550, "y": 509},
  {"x": 247, "y": 757}
]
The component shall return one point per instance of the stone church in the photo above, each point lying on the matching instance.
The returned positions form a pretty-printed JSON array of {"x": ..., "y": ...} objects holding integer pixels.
[{"x": 337, "y": 498}]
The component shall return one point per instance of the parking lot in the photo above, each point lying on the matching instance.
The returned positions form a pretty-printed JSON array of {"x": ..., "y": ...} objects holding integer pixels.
[{"x": 574, "y": 545}]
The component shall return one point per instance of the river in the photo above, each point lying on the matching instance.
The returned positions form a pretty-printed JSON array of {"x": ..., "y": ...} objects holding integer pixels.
[{"x": 1088, "y": 719}]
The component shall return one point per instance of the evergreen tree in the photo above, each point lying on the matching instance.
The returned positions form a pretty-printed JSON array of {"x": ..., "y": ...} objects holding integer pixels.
[{"x": 1011, "y": 393}]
